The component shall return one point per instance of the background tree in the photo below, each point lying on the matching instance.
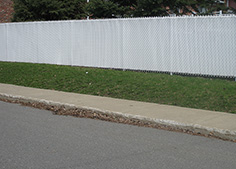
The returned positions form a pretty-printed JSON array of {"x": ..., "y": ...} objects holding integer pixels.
[
  {"x": 35, "y": 10},
  {"x": 44, "y": 10},
  {"x": 209, "y": 6},
  {"x": 106, "y": 9},
  {"x": 179, "y": 7},
  {"x": 128, "y": 7},
  {"x": 125, "y": 2},
  {"x": 150, "y": 8}
]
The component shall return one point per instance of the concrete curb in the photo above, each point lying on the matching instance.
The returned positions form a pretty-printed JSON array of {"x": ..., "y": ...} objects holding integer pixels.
[{"x": 194, "y": 129}]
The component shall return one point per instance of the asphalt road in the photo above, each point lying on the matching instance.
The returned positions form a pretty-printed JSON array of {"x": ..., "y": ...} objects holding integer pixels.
[{"x": 32, "y": 138}]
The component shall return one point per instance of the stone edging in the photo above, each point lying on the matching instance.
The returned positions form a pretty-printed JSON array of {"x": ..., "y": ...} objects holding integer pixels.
[{"x": 89, "y": 112}]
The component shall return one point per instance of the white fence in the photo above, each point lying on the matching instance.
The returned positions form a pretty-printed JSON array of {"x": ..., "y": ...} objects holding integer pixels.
[{"x": 203, "y": 45}]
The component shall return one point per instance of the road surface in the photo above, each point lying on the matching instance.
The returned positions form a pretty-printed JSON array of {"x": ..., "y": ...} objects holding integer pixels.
[{"x": 33, "y": 138}]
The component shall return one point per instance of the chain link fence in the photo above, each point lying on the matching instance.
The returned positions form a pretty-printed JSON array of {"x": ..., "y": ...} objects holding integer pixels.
[{"x": 202, "y": 45}]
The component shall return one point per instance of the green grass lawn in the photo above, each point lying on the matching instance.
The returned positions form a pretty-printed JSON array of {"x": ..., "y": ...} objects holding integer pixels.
[{"x": 194, "y": 92}]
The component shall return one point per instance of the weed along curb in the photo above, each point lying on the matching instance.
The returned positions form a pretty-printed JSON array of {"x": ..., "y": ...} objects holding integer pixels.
[{"x": 93, "y": 113}]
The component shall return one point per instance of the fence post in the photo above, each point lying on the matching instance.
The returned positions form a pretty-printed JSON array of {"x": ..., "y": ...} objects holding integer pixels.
[
  {"x": 7, "y": 41},
  {"x": 220, "y": 12},
  {"x": 171, "y": 45},
  {"x": 88, "y": 15}
]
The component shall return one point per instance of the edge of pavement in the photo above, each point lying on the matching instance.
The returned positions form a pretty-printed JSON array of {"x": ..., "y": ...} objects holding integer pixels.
[{"x": 83, "y": 110}]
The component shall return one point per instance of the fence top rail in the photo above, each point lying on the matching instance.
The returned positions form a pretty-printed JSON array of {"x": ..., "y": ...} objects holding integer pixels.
[{"x": 123, "y": 19}]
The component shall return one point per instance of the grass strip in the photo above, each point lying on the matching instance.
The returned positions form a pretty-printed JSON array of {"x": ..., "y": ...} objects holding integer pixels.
[{"x": 193, "y": 92}]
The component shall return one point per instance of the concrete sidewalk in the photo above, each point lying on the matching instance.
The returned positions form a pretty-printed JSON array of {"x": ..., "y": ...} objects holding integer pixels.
[{"x": 219, "y": 124}]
